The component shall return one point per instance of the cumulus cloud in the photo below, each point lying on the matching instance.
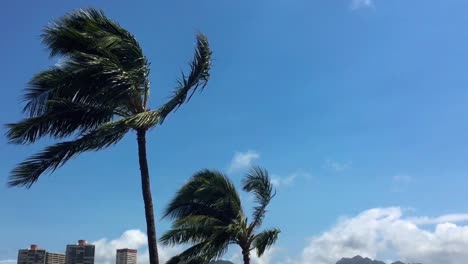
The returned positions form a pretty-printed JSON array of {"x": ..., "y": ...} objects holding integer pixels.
[
  {"x": 243, "y": 160},
  {"x": 357, "y": 4},
  {"x": 279, "y": 181},
  {"x": 450, "y": 218},
  {"x": 135, "y": 239},
  {"x": 375, "y": 233},
  {"x": 336, "y": 165},
  {"x": 287, "y": 180}
]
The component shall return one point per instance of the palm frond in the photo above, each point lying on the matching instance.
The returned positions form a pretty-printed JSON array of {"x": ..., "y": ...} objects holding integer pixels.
[
  {"x": 62, "y": 119},
  {"x": 40, "y": 89},
  {"x": 193, "y": 260},
  {"x": 208, "y": 193},
  {"x": 193, "y": 229},
  {"x": 205, "y": 211},
  {"x": 84, "y": 79},
  {"x": 180, "y": 236},
  {"x": 175, "y": 260},
  {"x": 264, "y": 240},
  {"x": 197, "y": 220},
  {"x": 207, "y": 214},
  {"x": 91, "y": 31},
  {"x": 144, "y": 120},
  {"x": 258, "y": 182},
  {"x": 238, "y": 229},
  {"x": 52, "y": 157},
  {"x": 189, "y": 84},
  {"x": 101, "y": 61},
  {"x": 203, "y": 252}
]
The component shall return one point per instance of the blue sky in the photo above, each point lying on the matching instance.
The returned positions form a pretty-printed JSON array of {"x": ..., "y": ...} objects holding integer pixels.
[{"x": 351, "y": 106}]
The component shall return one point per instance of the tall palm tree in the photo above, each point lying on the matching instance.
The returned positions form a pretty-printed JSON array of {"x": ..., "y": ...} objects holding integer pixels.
[
  {"x": 96, "y": 96},
  {"x": 208, "y": 214}
]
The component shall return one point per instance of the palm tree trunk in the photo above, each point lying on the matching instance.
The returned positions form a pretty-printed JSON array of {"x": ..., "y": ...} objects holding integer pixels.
[
  {"x": 246, "y": 255},
  {"x": 146, "y": 189}
]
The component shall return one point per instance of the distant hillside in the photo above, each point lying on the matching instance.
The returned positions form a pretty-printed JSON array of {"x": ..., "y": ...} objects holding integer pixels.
[{"x": 361, "y": 260}]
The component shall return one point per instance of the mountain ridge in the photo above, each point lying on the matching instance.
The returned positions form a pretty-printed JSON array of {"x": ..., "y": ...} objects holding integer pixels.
[{"x": 361, "y": 260}]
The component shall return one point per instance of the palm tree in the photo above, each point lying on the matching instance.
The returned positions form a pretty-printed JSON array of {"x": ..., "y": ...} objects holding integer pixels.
[
  {"x": 97, "y": 95},
  {"x": 208, "y": 214}
]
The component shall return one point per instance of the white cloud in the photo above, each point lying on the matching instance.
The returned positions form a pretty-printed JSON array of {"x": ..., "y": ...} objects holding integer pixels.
[
  {"x": 378, "y": 232},
  {"x": 336, "y": 165},
  {"x": 135, "y": 239},
  {"x": 243, "y": 160},
  {"x": 357, "y": 4},
  {"x": 450, "y": 218},
  {"x": 279, "y": 181}
]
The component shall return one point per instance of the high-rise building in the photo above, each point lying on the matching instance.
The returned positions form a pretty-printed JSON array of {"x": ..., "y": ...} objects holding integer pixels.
[
  {"x": 33, "y": 255},
  {"x": 55, "y": 258},
  {"x": 82, "y": 253},
  {"x": 126, "y": 256}
]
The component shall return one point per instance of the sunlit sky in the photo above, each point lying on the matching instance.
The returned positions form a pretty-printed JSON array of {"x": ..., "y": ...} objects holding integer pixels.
[{"x": 351, "y": 105}]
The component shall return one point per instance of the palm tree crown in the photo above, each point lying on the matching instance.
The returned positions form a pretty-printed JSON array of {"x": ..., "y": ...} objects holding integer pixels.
[
  {"x": 95, "y": 96},
  {"x": 208, "y": 214}
]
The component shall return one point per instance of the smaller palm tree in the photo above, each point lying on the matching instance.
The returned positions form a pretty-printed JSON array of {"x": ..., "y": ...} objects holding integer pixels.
[{"x": 207, "y": 213}]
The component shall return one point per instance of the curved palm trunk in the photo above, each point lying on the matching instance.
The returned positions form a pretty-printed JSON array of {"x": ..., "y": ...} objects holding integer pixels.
[{"x": 146, "y": 189}]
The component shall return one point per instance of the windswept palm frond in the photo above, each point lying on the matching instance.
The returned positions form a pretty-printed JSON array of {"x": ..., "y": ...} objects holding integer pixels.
[
  {"x": 62, "y": 119},
  {"x": 91, "y": 31},
  {"x": 175, "y": 260},
  {"x": 258, "y": 182},
  {"x": 196, "y": 221},
  {"x": 204, "y": 252},
  {"x": 193, "y": 229},
  {"x": 83, "y": 79},
  {"x": 264, "y": 240},
  {"x": 238, "y": 229},
  {"x": 144, "y": 120},
  {"x": 96, "y": 95},
  {"x": 193, "y": 260},
  {"x": 207, "y": 213},
  {"x": 102, "y": 63},
  {"x": 176, "y": 236},
  {"x": 52, "y": 157},
  {"x": 197, "y": 79},
  {"x": 206, "y": 193}
]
